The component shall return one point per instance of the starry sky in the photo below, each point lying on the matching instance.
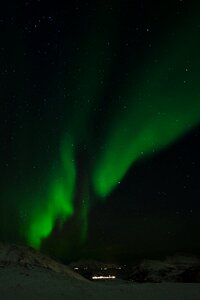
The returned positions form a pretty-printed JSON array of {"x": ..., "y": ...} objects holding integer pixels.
[{"x": 100, "y": 127}]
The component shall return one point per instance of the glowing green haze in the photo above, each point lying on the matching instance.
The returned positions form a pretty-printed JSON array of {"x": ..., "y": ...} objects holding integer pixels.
[
  {"x": 166, "y": 106},
  {"x": 85, "y": 91},
  {"x": 59, "y": 203},
  {"x": 157, "y": 108}
]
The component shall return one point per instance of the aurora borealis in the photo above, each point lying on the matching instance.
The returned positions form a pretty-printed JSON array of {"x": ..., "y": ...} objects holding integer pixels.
[
  {"x": 92, "y": 93},
  {"x": 166, "y": 107}
]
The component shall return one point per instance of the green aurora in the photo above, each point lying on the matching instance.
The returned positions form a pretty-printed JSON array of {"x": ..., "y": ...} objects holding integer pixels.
[
  {"x": 59, "y": 202},
  {"x": 165, "y": 106},
  {"x": 158, "y": 108}
]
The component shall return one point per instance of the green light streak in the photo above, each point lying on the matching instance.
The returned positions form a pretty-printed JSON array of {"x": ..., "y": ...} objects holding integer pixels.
[
  {"x": 84, "y": 85},
  {"x": 166, "y": 107},
  {"x": 59, "y": 203}
]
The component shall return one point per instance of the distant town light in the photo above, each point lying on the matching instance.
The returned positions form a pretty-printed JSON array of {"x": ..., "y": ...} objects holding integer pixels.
[{"x": 103, "y": 277}]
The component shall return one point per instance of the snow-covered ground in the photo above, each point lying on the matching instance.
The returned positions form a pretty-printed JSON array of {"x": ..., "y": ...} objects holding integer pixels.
[
  {"x": 22, "y": 283},
  {"x": 26, "y": 274}
]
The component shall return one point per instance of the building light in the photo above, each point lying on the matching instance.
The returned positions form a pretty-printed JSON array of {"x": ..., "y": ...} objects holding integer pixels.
[{"x": 103, "y": 277}]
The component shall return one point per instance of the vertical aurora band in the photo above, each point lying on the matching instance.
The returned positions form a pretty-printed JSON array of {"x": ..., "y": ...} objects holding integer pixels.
[
  {"x": 166, "y": 107},
  {"x": 59, "y": 202},
  {"x": 85, "y": 92}
]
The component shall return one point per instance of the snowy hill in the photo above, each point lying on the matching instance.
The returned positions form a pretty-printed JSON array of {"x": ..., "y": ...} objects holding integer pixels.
[
  {"x": 14, "y": 255},
  {"x": 178, "y": 268},
  {"x": 27, "y": 274}
]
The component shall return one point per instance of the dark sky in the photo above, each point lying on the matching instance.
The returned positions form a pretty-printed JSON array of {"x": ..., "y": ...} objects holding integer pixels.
[{"x": 100, "y": 127}]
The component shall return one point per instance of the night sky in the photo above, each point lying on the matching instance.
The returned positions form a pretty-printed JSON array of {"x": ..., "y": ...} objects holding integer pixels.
[{"x": 100, "y": 127}]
